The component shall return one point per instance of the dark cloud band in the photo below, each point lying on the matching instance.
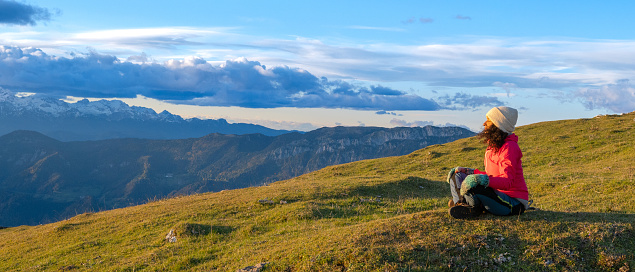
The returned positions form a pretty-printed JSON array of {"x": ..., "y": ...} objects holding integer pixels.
[
  {"x": 238, "y": 82},
  {"x": 12, "y": 12}
]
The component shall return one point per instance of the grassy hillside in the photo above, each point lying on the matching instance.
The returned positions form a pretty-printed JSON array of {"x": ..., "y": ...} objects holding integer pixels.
[{"x": 377, "y": 215}]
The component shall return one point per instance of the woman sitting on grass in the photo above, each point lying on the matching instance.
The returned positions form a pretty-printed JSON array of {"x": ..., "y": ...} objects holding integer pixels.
[{"x": 501, "y": 189}]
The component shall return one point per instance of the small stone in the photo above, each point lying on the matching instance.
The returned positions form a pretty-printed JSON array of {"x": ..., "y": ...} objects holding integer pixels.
[
  {"x": 253, "y": 268},
  {"x": 171, "y": 237},
  {"x": 265, "y": 201}
]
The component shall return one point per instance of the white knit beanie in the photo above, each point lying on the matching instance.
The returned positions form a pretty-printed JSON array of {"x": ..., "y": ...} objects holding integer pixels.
[{"x": 504, "y": 118}]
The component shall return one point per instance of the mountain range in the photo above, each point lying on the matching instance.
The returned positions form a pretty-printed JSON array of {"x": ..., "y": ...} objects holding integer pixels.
[
  {"x": 44, "y": 180},
  {"x": 107, "y": 119}
]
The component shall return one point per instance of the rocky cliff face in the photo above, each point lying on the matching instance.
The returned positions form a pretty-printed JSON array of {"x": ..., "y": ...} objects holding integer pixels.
[
  {"x": 43, "y": 180},
  {"x": 351, "y": 144},
  {"x": 347, "y": 136}
]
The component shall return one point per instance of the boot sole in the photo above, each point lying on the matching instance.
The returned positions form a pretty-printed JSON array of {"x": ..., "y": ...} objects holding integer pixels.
[{"x": 464, "y": 212}]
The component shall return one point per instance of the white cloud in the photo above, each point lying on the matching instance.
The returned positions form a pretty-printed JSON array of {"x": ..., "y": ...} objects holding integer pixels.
[
  {"x": 465, "y": 101},
  {"x": 508, "y": 63},
  {"x": 161, "y": 33},
  {"x": 505, "y": 86},
  {"x": 618, "y": 97},
  {"x": 403, "y": 123},
  {"x": 283, "y": 125},
  {"x": 121, "y": 41},
  {"x": 478, "y": 62}
]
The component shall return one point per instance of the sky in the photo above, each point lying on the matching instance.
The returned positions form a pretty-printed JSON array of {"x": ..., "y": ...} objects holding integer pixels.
[{"x": 302, "y": 65}]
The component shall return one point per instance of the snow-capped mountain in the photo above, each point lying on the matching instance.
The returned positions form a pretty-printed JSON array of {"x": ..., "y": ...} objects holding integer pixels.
[
  {"x": 12, "y": 104},
  {"x": 104, "y": 119}
]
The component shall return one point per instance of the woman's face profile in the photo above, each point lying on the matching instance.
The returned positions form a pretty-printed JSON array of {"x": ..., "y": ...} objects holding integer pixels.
[{"x": 487, "y": 123}]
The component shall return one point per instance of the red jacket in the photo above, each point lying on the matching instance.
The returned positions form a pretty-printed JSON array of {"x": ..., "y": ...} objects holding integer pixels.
[{"x": 505, "y": 169}]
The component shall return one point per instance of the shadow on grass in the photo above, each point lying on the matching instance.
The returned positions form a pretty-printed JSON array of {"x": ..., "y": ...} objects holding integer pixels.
[
  {"x": 535, "y": 241},
  {"x": 412, "y": 194},
  {"x": 414, "y": 187},
  {"x": 579, "y": 217},
  {"x": 223, "y": 230},
  {"x": 70, "y": 226}
]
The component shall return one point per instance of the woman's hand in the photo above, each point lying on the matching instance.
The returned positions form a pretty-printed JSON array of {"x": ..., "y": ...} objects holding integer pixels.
[
  {"x": 465, "y": 170},
  {"x": 459, "y": 169}
]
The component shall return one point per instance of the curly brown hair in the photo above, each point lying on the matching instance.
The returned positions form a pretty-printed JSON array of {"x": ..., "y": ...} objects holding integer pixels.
[{"x": 493, "y": 136}]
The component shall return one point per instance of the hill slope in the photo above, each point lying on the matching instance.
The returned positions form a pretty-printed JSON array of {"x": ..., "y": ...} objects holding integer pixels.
[{"x": 377, "y": 215}]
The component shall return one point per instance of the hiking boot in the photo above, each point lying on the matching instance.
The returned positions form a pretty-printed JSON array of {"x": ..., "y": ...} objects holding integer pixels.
[
  {"x": 464, "y": 211},
  {"x": 452, "y": 204}
]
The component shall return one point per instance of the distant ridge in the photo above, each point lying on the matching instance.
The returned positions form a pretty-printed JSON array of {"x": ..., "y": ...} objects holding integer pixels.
[
  {"x": 44, "y": 180},
  {"x": 104, "y": 119}
]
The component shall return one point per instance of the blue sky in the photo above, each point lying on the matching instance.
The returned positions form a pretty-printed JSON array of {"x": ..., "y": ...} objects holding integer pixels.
[{"x": 307, "y": 64}]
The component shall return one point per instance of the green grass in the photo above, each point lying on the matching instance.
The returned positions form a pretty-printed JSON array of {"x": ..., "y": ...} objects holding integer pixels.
[{"x": 386, "y": 214}]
